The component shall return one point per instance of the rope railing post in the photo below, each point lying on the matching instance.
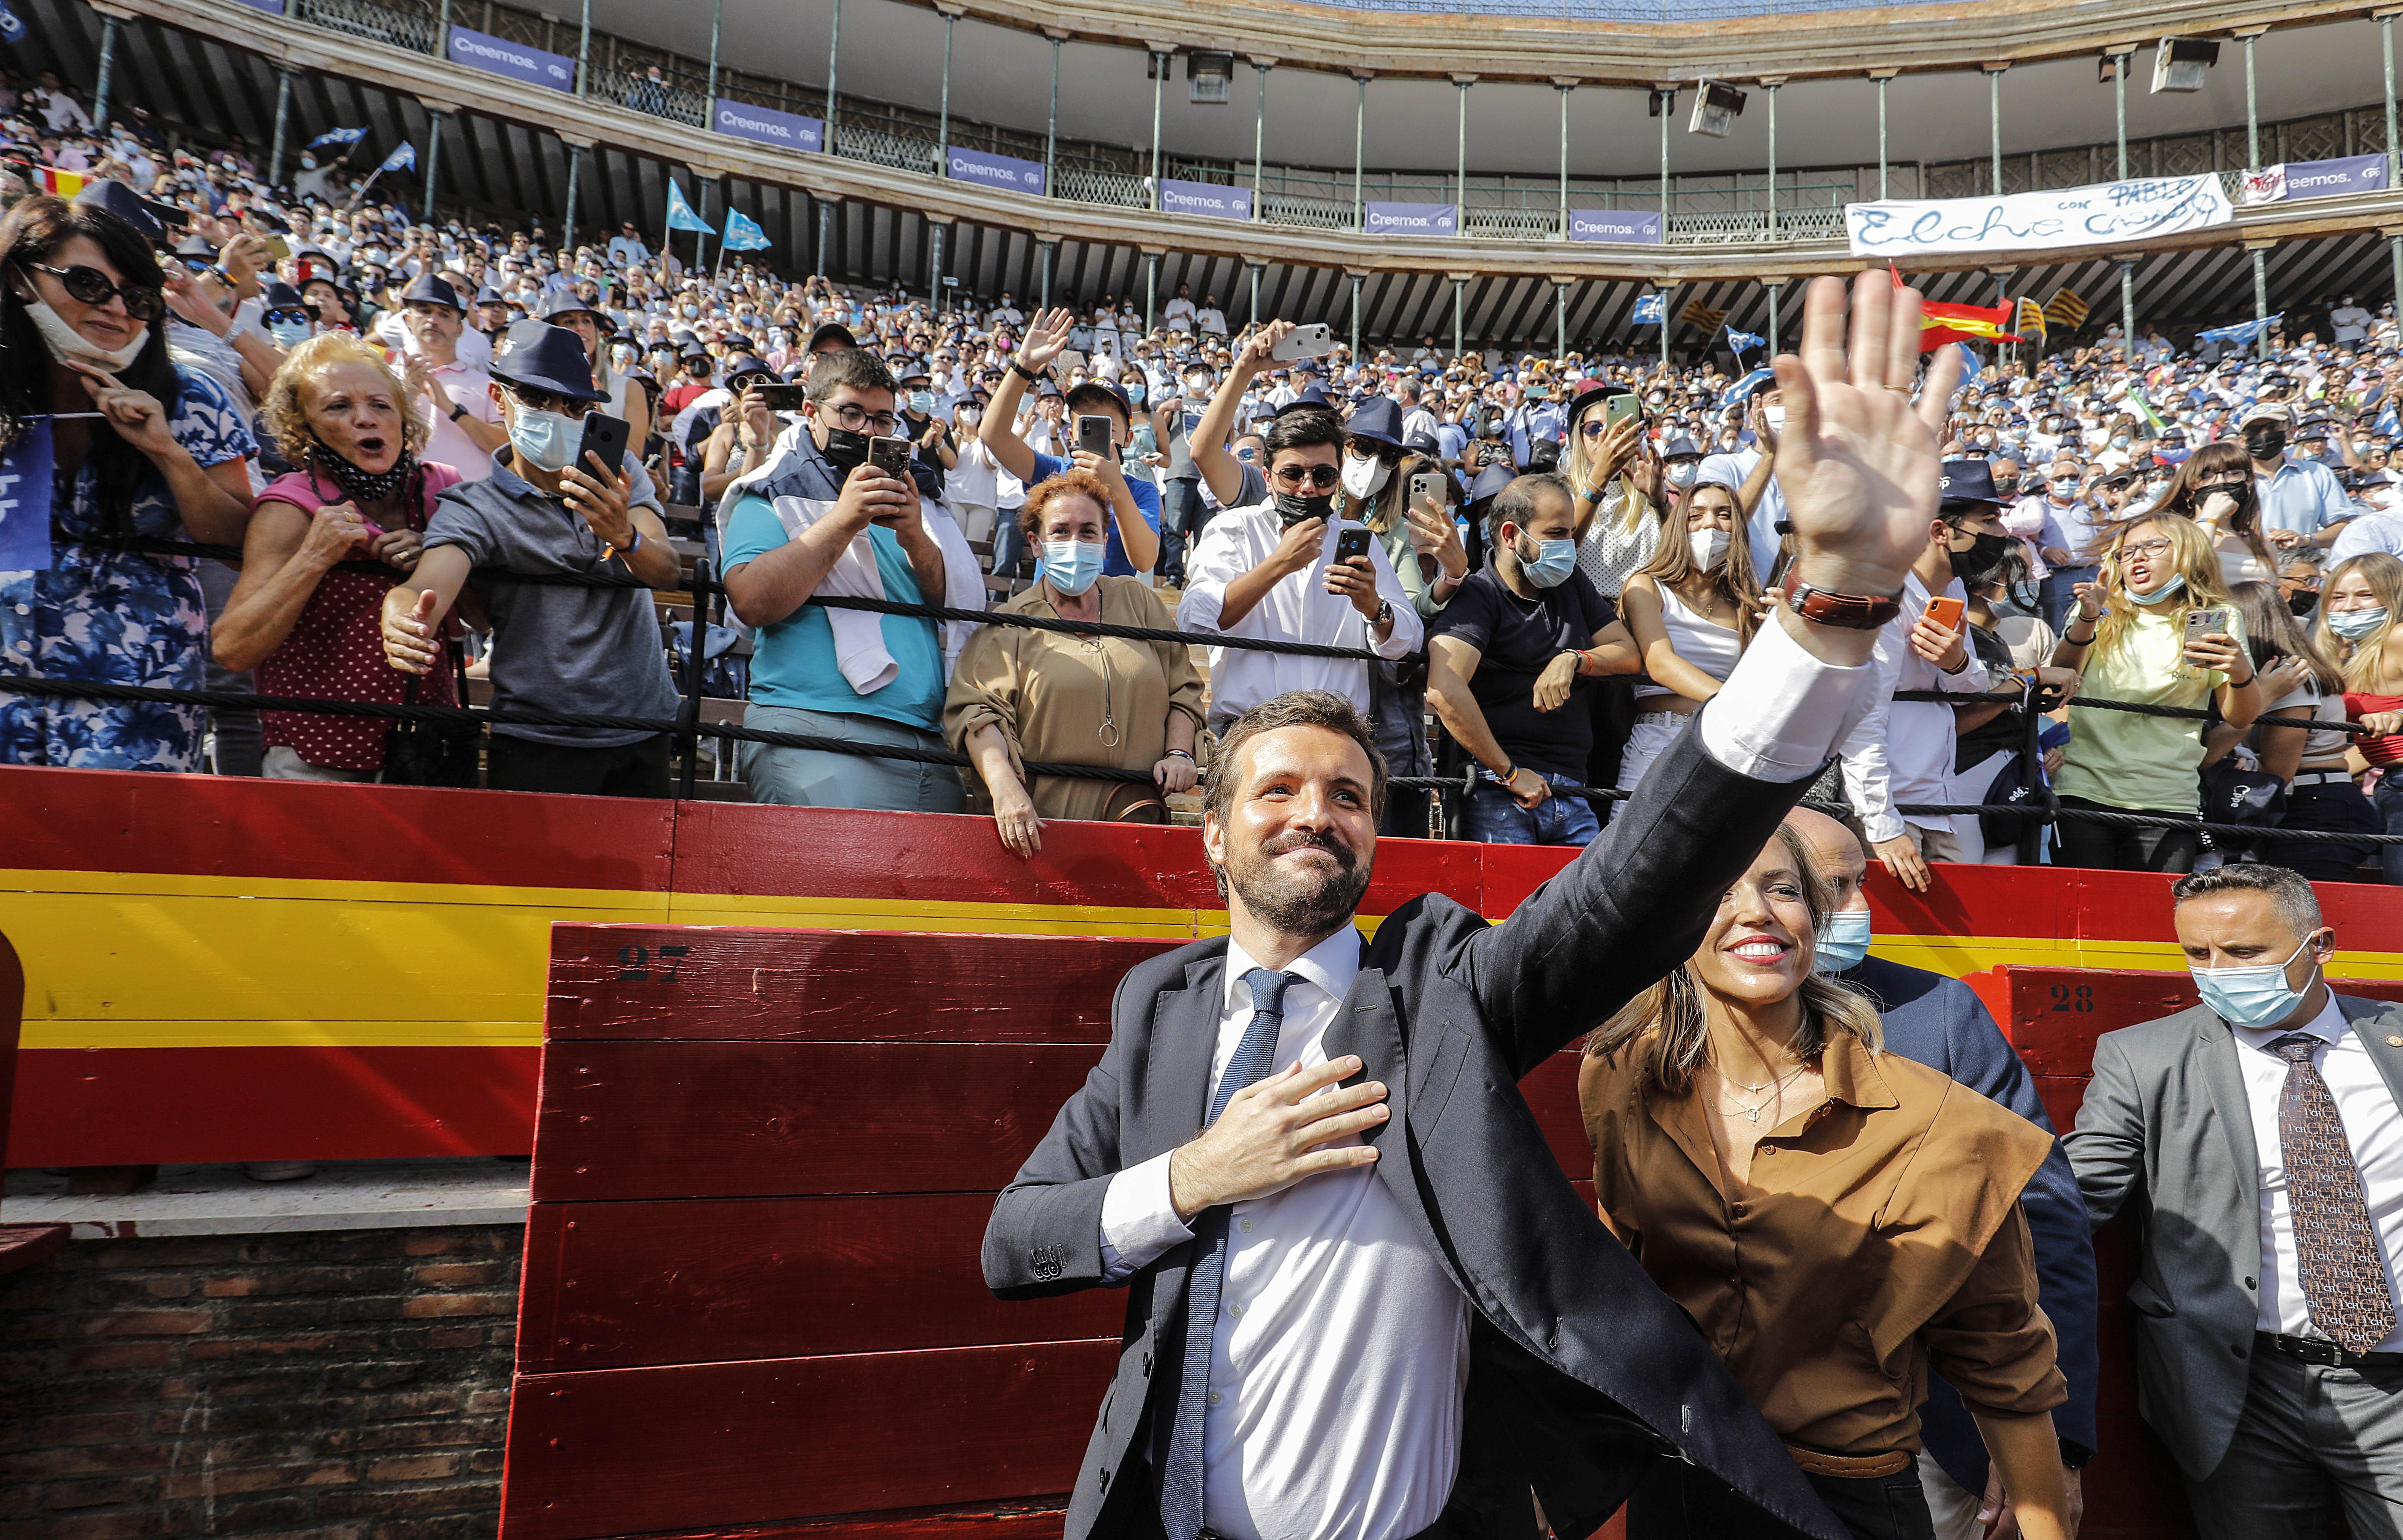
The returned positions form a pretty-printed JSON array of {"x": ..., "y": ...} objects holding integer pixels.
[
  {"x": 688, "y": 735},
  {"x": 2031, "y": 776}
]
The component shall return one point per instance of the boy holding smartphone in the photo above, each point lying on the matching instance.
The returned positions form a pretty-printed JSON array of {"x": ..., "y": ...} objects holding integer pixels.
[{"x": 1133, "y": 537}]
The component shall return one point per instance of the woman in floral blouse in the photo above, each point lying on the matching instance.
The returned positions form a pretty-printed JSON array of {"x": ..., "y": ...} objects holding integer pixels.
[{"x": 165, "y": 457}]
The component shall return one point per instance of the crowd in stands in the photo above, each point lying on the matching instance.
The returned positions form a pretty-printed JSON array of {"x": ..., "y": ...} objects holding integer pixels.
[{"x": 1549, "y": 561}]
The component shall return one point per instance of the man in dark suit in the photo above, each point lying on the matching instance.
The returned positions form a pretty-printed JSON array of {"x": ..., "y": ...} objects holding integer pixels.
[
  {"x": 1940, "y": 1022},
  {"x": 2257, "y": 1137},
  {"x": 1354, "y": 1272}
]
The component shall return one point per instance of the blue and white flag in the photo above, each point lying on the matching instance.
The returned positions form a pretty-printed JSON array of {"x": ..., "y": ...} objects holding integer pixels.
[
  {"x": 2243, "y": 331},
  {"x": 680, "y": 214},
  {"x": 742, "y": 233},
  {"x": 12, "y": 26},
  {"x": 1742, "y": 390},
  {"x": 1745, "y": 342},
  {"x": 338, "y": 136},
  {"x": 1650, "y": 309},
  {"x": 25, "y": 499},
  {"x": 403, "y": 159}
]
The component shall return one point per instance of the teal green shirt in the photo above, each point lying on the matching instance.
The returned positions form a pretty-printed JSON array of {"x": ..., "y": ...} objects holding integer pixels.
[{"x": 793, "y": 661}]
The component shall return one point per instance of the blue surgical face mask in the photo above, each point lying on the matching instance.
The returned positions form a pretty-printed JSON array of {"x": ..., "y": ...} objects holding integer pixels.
[
  {"x": 2177, "y": 581},
  {"x": 546, "y": 439},
  {"x": 1554, "y": 560},
  {"x": 921, "y": 402},
  {"x": 1071, "y": 567},
  {"x": 2353, "y": 625},
  {"x": 2252, "y": 997},
  {"x": 288, "y": 334},
  {"x": 1843, "y": 940}
]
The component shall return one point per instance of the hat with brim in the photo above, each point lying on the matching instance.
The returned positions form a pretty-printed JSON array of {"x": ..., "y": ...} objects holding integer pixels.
[
  {"x": 743, "y": 365},
  {"x": 1591, "y": 393},
  {"x": 1097, "y": 393},
  {"x": 1965, "y": 482},
  {"x": 430, "y": 290},
  {"x": 565, "y": 302},
  {"x": 1378, "y": 419},
  {"x": 537, "y": 355},
  {"x": 2265, "y": 412},
  {"x": 1313, "y": 399},
  {"x": 832, "y": 331},
  {"x": 1488, "y": 483}
]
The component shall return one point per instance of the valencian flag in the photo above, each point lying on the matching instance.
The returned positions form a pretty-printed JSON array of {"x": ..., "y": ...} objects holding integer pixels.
[
  {"x": 2065, "y": 311},
  {"x": 2031, "y": 321},
  {"x": 1702, "y": 317},
  {"x": 1942, "y": 323}
]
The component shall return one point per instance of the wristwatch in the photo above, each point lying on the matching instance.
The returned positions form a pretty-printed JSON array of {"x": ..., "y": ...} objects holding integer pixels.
[
  {"x": 1849, "y": 611},
  {"x": 457, "y": 411},
  {"x": 1024, "y": 373},
  {"x": 1384, "y": 612}
]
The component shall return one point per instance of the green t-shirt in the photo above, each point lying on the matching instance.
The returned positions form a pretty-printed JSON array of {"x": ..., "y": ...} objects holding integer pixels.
[{"x": 2143, "y": 763}]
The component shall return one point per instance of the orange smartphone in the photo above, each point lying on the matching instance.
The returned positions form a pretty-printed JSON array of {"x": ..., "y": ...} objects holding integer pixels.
[{"x": 1945, "y": 611}]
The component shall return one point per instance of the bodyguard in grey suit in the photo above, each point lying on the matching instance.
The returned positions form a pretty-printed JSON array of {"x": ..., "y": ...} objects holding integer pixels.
[
  {"x": 2258, "y": 1140},
  {"x": 1363, "y": 1302}
]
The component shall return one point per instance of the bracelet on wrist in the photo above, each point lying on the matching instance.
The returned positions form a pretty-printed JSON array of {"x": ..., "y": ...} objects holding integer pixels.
[{"x": 1180, "y": 754}]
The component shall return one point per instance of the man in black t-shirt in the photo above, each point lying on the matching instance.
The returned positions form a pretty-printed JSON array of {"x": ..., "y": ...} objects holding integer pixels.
[{"x": 1503, "y": 660}]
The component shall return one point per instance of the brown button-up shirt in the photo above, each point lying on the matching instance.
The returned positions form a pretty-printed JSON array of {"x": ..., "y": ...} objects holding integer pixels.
[{"x": 1877, "y": 1232}]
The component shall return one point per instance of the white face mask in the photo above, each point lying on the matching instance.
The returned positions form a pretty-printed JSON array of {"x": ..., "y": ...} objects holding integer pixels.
[
  {"x": 67, "y": 344},
  {"x": 1775, "y": 418},
  {"x": 1682, "y": 473},
  {"x": 1364, "y": 478},
  {"x": 1710, "y": 546}
]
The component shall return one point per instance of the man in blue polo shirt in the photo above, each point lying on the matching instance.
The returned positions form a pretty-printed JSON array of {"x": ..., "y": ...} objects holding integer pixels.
[
  {"x": 794, "y": 529},
  {"x": 1132, "y": 542},
  {"x": 2301, "y": 501}
]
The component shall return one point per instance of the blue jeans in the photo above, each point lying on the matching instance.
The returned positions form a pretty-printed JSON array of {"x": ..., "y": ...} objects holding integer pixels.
[
  {"x": 1495, "y": 818},
  {"x": 2058, "y": 590},
  {"x": 813, "y": 778},
  {"x": 2389, "y": 801}
]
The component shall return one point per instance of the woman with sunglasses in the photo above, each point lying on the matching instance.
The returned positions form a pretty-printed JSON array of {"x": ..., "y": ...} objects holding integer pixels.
[
  {"x": 1619, "y": 512},
  {"x": 2130, "y": 638},
  {"x": 2215, "y": 487},
  {"x": 1424, "y": 548},
  {"x": 143, "y": 448}
]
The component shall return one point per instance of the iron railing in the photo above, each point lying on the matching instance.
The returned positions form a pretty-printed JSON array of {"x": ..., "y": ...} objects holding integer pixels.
[{"x": 417, "y": 31}]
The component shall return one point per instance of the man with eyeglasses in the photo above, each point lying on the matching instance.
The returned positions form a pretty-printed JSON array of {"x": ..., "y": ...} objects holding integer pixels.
[{"x": 558, "y": 646}]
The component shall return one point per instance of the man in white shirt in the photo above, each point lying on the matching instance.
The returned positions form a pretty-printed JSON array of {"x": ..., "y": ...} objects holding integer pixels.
[
  {"x": 1179, "y": 315},
  {"x": 1005, "y": 313},
  {"x": 1210, "y": 319},
  {"x": 1363, "y": 1299},
  {"x": 2349, "y": 323},
  {"x": 453, "y": 399},
  {"x": 626, "y": 248}
]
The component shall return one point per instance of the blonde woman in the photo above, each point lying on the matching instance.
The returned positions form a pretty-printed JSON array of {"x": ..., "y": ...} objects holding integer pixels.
[
  {"x": 1618, "y": 524},
  {"x": 360, "y": 494},
  {"x": 2129, "y": 638},
  {"x": 1691, "y": 609},
  {"x": 2361, "y": 628},
  {"x": 1837, "y": 1220}
]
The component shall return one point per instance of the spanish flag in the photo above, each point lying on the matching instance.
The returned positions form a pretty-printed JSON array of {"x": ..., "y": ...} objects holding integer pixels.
[
  {"x": 1942, "y": 323},
  {"x": 61, "y": 184}
]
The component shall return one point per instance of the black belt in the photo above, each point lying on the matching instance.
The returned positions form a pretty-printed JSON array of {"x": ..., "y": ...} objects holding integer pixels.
[{"x": 2319, "y": 1350}]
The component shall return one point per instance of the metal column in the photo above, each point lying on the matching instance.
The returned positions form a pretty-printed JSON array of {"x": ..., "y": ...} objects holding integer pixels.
[
  {"x": 282, "y": 116},
  {"x": 943, "y": 113},
  {"x": 1150, "y": 286},
  {"x": 107, "y": 68},
  {"x": 1255, "y": 291},
  {"x": 432, "y": 158},
  {"x": 2251, "y": 162},
  {"x": 1770, "y": 87},
  {"x": 2393, "y": 158},
  {"x": 1359, "y": 131},
  {"x": 1668, "y": 108},
  {"x": 716, "y": 27},
  {"x": 1776, "y": 292},
  {"x": 2127, "y": 304},
  {"x": 1559, "y": 319},
  {"x": 1881, "y": 80},
  {"x": 1355, "y": 317},
  {"x": 584, "y": 50},
  {"x": 1564, "y": 88},
  {"x": 1260, "y": 132},
  {"x": 826, "y": 239},
  {"x": 934, "y": 266},
  {"x": 1159, "y": 74},
  {"x": 834, "y": 46},
  {"x": 1459, "y": 176},
  {"x": 1459, "y": 316},
  {"x": 1052, "y": 126},
  {"x": 2119, "y": 108},
  {"x": 1994, "y": 120},
  {"x": 567, "y": 223},
  {"x": 1045, "y": 250}
]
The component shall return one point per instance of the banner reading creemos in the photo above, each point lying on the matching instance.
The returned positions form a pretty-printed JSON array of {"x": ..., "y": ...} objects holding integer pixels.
[
  {"x": 995, "y": 171},
  {"x": 1212, "y": 199},
  {"x": 1413, "y": 219},
  {"x": 768, "y": 126},
  {"x": 2033, "y": 221},
  {"x": 1615, "y": 225},
  {"x": 499, "y": 56},
  {"x": 2315, "y": 179}
]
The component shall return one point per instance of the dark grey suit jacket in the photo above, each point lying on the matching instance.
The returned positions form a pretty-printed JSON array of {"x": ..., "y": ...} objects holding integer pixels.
[
  {"x": 2166, "y": 1127},
  {"x": 1582, "y": 1372}
]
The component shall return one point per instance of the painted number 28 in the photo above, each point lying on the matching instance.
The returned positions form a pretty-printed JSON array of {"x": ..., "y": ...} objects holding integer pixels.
[{"x": 2077, "y": 997}]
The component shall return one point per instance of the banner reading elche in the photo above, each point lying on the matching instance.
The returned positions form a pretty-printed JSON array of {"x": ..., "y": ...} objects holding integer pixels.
[
  {"x": 499, "y": 56},
  {"x": 2315, "y": 179},
  {"x": 1003, "y": 172},
  {"x": 1413, "y": 219},
  {"x": 1209, "y": 199},
  {"x": 1629, "y": 225},
  {"x": 2110, "y": 214},
  {"x": 768, "y": 126}
]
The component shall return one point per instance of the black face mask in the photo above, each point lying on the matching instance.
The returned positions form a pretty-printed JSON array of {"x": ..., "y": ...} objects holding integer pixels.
[
  {"x": 357, "y": 485},
  {"x": 845, "y": 452},
  {"x": 1293, "y": 507},
  {"x": 1985, "y": 553},
  {"x": 2265, "y": 443},
  {"x": 2303, "y": 600},
  {"x": 2240, "y": 492}
]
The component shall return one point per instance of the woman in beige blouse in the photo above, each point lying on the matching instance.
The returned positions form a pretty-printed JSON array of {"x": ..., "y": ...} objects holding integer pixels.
[{"x": 1046, "y": 697}]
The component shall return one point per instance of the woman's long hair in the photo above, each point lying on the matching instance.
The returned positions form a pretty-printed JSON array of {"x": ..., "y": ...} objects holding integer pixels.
[
  {"x": 2216, "y": 460},
  {"x": 1668, "y": 1026},
  {"x": 1389, "y": 509},
  {"x": 2193, "y": 558},
  {"x": 2271, "y": 630},
  {"x": 33, "y": 233},
  {"x": 1581, "y": 468},
  {"x": 2365, "y": 661},
  {"x": 1673, "y": 563}
]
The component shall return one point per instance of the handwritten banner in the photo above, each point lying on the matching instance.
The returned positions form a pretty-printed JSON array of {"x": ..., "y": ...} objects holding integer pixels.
[
  {"x": 1631, "y": 225},
  {"x": 1209, "y": 199},
  {"x": 499, "y": 56},
  {"x": 1413, "y": 219},
  {"x": 768, "y": 126},
  {"x": 2110, "y": 214},
  {"x": 996, "y": 171},
  {"x": 25, "y": 501},
  {"x": 2315, "y": 179}
]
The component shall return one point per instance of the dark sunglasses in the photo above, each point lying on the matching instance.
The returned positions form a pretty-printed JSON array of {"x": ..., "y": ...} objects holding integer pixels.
[
  {"x": 297, "y": 317},
  {"x": 1314, "y": 476},
  {"x": 1363, "y": 448},
  {"x": 91, "y": 286},
  {"x": 535, "y": 400}
]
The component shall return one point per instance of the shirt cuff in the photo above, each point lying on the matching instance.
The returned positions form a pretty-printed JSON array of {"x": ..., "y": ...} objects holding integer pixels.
[
  {"x": 1782, "y": 711},
  {"x": 1139, "y": 1223}
]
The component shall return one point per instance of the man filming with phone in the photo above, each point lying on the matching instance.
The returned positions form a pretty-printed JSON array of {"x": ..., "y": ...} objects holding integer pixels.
[{"x": 1132, "y": 542}]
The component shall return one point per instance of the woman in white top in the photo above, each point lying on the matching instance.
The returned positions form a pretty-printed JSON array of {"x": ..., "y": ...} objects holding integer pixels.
[
  {"x": 1616, "y": 482},
  {"x": 2300, "y": 683},
  {"x": 1691, "y": 609},
  {"x": 2215, "y": 489}
]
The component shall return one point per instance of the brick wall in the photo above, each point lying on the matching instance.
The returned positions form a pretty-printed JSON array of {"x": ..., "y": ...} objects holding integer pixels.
[{"x": 348, "y": 1384}]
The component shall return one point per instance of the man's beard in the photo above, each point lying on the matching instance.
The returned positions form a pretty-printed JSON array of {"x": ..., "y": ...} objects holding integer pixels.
[{"x": 1300, "y": 903}]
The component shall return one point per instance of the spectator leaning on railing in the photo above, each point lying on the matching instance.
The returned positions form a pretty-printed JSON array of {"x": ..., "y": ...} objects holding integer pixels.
[
  {"x": 560, "y": 646},
  {"x": 2361, "y": 628}
]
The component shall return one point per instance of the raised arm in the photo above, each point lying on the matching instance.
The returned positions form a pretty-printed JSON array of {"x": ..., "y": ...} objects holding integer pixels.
[
  {"x": 1207, "y": 442},
  {"x": 1043, "y": 342}
]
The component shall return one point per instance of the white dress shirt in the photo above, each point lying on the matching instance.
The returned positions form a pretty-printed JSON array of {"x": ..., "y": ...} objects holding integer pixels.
[
  {"x": 1338, "y": 1369},
  {"x": 2368, "y": 1111},
  {"x": 1297, "y": 609},
  {"x": 1902, "y": 752}
]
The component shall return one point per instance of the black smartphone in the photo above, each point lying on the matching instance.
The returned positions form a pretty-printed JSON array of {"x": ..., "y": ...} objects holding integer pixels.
[
  {"x": 891, "y": 457},
  {"x": 781, "y": 398},
  {"x": 1094, "y": 436},
  {"x": 604, "y": 436},
  {"x": 1351, "y": 543}
]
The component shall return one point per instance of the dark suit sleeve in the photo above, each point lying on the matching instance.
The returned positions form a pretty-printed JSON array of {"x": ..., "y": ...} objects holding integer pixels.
[
  {"x": 1045, "y": 1236},
  {"x": 2106, "y": 1149},
  {"x": 1985, "y": 1061},
  {"x": 1633, "y": 907}
]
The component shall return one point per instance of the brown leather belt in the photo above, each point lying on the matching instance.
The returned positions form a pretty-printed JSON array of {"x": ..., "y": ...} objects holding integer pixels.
[{"x": 1854, "y": 1467}]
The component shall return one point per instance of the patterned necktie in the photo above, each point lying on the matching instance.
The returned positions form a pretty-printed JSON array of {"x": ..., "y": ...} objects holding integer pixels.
[
  {"x": 1181, "y": 1478},
  {"x": 2344, "y": 1274}
]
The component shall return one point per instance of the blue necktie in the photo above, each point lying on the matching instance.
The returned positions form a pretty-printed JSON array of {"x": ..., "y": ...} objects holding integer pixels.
[{"x": 1181, "y": 1476}]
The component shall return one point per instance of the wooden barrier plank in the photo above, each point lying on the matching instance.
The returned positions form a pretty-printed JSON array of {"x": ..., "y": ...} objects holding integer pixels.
[
  {"x": 1551, "y": 1092},
  {"x": 2055, "y": 1014},
  {"x": 661, "y": 983},
  {"x": 623, "y": 1285},
  {"x": 621, "y": 1120},
  {"x": 1036, "y": 1521},
  {"x": 627, "y": 1451}
]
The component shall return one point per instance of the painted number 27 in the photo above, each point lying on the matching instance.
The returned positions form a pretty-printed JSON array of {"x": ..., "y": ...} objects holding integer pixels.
[{"x": 633, "y": 962}]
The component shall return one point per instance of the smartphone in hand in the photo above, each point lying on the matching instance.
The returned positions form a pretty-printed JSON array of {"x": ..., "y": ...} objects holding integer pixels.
[
  {"x": 1351, "y": 543},
  {"x": 890, "y": 456},
  {"x": 1094, "y": 437},
  {"x": 604, "y": 436},
  {"x": 1945, "y": 610}
]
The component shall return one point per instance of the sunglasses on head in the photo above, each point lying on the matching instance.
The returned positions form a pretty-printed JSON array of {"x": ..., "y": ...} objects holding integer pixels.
[
  {"x": 1313, "y": 476},
  {"x": 91, "y": 286}
]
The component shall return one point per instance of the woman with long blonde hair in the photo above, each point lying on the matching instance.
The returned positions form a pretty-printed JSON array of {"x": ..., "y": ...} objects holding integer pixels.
[
  {"x": 2361, "y": 627},
  {"x": 1837, "y": 1220},
  {"x": 1691, "y": 609},
  {"x": 1618, "y": 521},
  {"x": 2130, "y": 639}
]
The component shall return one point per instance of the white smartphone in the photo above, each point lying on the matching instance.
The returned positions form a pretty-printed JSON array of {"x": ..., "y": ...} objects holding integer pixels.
[{"x": 1314, "y": 341}]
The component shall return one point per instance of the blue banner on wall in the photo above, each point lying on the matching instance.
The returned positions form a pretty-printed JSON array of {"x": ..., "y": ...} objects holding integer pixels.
[
  {"x": 2315, "y": 178},
  {"x": 1209, "y": 198},
  {"x": 1629, "y": 225},
  {"x": 518, "y": 61},
  {"x": 1413, "y": 219},
  {"x": 1003, "y": 172},
  {"x": 768, "y": 126}
]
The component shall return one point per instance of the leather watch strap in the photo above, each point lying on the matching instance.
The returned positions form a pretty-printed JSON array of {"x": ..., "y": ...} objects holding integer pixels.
[{"x": 1851, "y": 611}]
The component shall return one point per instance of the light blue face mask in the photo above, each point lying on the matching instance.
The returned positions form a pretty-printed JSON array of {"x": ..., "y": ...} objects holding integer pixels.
[
  {"x": 1843, "y": 940},
  {"x": 2252, "y": 997},
  {"x": 1071, "y": 567},
  {"x": 2353, "y": 625},
  {"x": 288, "y": 334},
  {"x": 546, "y": 439},
  {"x": 1554, "y": 560},
  {"x": 2177, "y": 581}
]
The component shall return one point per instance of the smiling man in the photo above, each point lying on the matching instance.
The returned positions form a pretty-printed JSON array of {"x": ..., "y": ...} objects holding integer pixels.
[{"x": 1364, "y": 1301}]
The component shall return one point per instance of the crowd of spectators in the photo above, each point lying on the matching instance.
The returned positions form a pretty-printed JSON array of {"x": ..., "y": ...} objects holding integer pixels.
[{"x": 1552, "y": 561}]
